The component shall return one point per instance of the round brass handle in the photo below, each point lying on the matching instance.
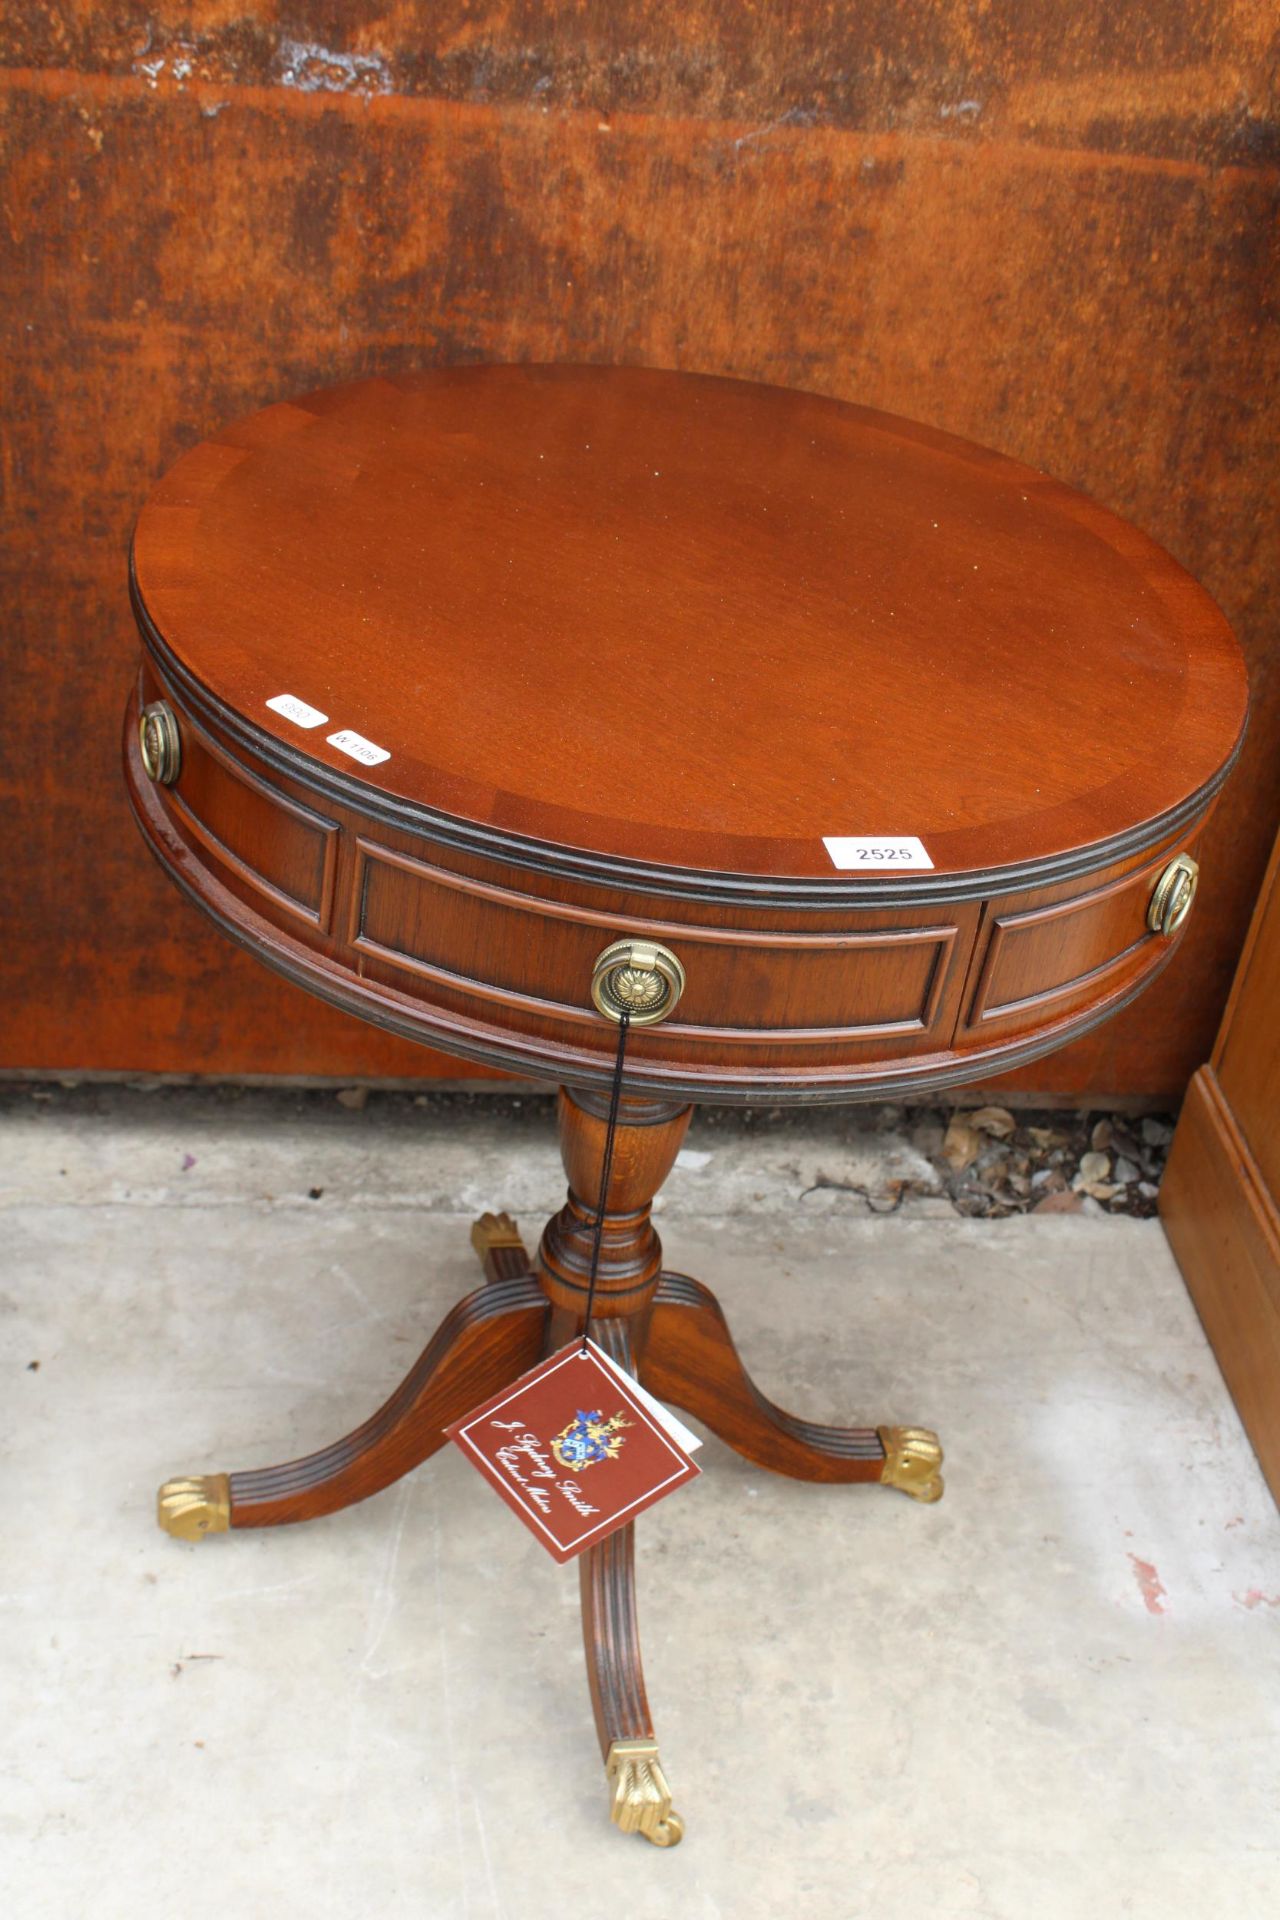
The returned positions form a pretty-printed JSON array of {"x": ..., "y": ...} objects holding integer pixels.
[
  {"x": 637, "y": 976},
  {"x": 160, "y": 742},
  {"x": 1172, "y": 895}
]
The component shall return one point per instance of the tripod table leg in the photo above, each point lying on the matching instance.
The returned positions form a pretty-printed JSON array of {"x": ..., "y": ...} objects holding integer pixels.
[
  {"x": 640, "y": 1797},
  {"x": 690, "y": 1359},
  {"x": 488, "y": 1339}
]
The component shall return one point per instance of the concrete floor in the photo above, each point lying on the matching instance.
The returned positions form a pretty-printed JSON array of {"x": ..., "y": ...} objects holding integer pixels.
[{"x": 1055, "y": 1694}]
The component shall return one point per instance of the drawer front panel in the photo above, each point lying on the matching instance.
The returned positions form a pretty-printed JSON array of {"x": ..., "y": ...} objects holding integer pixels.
[
  {"x": 262, "y": 840},
  {"x": 1039, "y": 959},
  {"x": 893, "y": 976}
]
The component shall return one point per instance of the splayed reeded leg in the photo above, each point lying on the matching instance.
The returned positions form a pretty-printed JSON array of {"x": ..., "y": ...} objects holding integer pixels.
[
  {"x": 639, "y": 1797},
  {"x": 690, "y": 1360},
  {"x": 490, "y": 1337}
]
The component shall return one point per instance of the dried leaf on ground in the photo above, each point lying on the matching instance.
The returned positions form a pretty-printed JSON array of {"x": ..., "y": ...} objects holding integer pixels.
[
  {"x": 960, "y": 1148},
  {"x": 1059, "y": 1203},
  {"x": 997, "y": 1121},
  {"x": 1101, "y": 1136}
]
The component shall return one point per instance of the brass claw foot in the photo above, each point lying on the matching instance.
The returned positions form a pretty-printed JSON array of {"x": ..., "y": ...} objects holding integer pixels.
[
  {"x": 495, "y": 1230},
  {"x": 503, "y": 1254},
  {"x": 191, "y": 1507},
  {"x": 912, "y": 1457},
  {"x": 641, "y": 1797}
]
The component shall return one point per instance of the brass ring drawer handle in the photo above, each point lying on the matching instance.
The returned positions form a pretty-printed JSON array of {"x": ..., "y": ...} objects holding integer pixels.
[
  {"x": 160, "y": 742},
  {"x": 637, "y": 976},
  {"x": 1172, "y": 896}
]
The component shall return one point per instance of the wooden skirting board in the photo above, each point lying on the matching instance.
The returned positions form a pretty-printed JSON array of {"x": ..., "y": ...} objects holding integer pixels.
[{"x": 1224, "y": 1229}]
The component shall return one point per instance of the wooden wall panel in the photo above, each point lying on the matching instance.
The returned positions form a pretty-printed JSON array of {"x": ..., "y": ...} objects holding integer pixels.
[{"x": 1049, "y": 228}]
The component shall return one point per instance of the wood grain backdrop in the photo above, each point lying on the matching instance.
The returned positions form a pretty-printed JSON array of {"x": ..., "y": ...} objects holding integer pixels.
[{"x": 1048, "y": 226}]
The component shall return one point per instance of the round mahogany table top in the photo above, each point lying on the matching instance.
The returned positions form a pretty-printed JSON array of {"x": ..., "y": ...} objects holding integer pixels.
[
  {"x": 691, "y": 623},
  {"x": 453, "y": 681}
]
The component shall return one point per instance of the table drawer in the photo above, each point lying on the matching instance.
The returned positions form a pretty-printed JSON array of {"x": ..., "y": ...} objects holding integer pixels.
[
  {"x": 877, "y": 978},
  {"x": 1045, "y": 954}
]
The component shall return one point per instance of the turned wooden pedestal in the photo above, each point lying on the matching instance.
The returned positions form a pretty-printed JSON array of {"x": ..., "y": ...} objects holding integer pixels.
[{"x": 893, "y": 753}]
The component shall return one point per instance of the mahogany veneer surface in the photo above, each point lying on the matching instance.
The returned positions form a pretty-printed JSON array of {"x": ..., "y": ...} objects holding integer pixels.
[{"x": 634, "y": 643}]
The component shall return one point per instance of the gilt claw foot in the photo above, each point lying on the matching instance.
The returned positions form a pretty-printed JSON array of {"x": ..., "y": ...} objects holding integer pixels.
[
  {"x": 190, "y": 1508},
  {"x": 641, "y": 1801},
  {"x": 495, "y": 1230},
  {"x": 912, "y": 1459}
]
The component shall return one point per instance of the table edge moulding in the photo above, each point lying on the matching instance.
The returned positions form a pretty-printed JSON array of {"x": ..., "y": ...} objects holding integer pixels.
[{"x": 495, "y": 703}]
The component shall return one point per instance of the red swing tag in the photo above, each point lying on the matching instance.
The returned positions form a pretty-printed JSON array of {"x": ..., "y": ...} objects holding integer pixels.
[{"x": 576, "y": 1448}]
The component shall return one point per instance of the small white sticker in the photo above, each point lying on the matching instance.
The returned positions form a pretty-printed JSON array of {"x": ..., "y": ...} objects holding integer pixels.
[
  {"x": 358, "y": 747},
  {"x": 297, "y": 710},
  {"x": 875, "y": 856}
]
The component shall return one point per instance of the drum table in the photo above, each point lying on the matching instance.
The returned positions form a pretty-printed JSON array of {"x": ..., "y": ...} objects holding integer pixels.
[{"x": 850, "y": 759}]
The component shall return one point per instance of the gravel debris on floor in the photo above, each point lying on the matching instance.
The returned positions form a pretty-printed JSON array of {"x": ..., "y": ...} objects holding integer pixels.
[{"x": 991, "y": 1161}]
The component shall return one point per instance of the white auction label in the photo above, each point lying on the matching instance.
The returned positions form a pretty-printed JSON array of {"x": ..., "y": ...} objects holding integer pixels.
[
  {"x": 358, "y": 747},
  {"x": 297, "y": 710},
  {"x": 876, "y": 856}
]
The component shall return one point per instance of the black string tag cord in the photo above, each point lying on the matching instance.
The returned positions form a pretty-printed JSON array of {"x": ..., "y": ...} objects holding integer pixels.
[{"x": 606, "y": 1168}]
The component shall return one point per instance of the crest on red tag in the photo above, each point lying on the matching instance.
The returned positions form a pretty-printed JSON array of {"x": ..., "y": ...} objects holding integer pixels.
[
  {"x": 589, "y": 1439},
  {"x": 576, "y": 1448}
]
